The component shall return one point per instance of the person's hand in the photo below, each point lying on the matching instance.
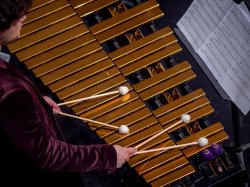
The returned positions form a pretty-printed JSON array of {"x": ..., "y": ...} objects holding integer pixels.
[
  {"x": 123, "y": 154},
  {"x": 56, "y": 109}
]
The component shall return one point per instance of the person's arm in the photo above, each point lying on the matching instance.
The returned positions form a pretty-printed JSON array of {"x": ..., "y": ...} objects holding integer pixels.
[
  {"x": 123, "y": 154},
  {"x": 52, "y": 104},
  {"x": 24, "y": 126}
]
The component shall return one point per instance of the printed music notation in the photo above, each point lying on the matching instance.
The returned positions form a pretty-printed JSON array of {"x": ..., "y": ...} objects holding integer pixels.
[{"x": 219, "y": 32}]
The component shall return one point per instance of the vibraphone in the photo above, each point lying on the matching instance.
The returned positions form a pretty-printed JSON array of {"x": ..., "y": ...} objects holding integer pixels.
[{"x": 79, "y": 48}]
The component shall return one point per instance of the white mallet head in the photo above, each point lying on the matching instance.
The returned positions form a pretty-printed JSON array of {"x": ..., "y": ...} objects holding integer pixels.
[
  {"x": 186, "y": 118},
  {"x": 123, "y": 129},
  {"x": 203, "y": 141},
  {"x": 123, "y": 90}
]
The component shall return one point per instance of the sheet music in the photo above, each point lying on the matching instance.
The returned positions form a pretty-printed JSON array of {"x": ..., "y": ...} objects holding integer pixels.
[
  {"x": 201, "y": 18},
  {"x": 226, "y": 50},
  {"x": 227, "y": 54}
]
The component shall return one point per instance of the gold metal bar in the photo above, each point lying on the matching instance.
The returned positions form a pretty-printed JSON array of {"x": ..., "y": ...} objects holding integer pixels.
[
  {"x": 92, "y": 7},
  {"x": 47, "y": 21},
  {"x": 157, "y": 161},
  {"x": 166, "y": 85},
  {"x": 49, "y": 43},
  {"x": 206, "y": 132},
  {"x": 78, "y": 3},
  {"x": 162, "y": 76},
  {"x": 143, "y": 135},
  {"x": 91, "y": 104},
  {"x": 67, "y": 59},
  {"x": 44, "y": 34},
  {"x": 39, "y": 3},
  {"x": 195, "y": 115},
  {"x": 131, "y": 123},
  {"x": 109, "y": 106},
  {"x": 128, "y": 25},
  {"x": 140, "y": 43},
  {"x": 215, "y": 138},
  {"x": 146, "y": 162},
  {"x": 131, "y": 13},
  {"x": 57, "y": 51},
  {"x": 119, "y": 113},
  {"x": 165, "y": 169},
  {"x": 152, "y": 58},
  {"x": 148, "y": 50},
  {"x": 99, "y": 88},
  {"x": 174, "y": 176},
  {"x": 179, "y": 102},
  {"x": 81, "y": 80},
  {"x": 167, "y": 118},
  {"x": 137, "y": 122},
  {"x": 74, "y": 67},
  {"x": 45, "y": 10}
]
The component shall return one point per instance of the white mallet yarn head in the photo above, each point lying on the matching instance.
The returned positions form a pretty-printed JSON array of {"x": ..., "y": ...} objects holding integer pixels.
[
  {"x": 123, "y": 90},
  {"x": 203, "y": 141},
  {"x": 186, "y": 118},
  {"x": 123, "y": 129}
]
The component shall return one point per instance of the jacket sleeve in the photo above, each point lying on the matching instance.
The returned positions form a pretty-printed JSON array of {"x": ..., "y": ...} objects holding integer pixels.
[{"x": 25, "y": 128}]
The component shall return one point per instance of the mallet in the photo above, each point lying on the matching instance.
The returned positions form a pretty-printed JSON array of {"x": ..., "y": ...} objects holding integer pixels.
[
  {"x": 185, "y": 118},
  {"x": 201, "y": 141},
  {"x": 123, "y": 129},
  {"x": 122, "y": 91}
]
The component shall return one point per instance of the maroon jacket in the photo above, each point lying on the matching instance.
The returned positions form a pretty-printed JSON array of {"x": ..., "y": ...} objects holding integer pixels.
[{"x": 28, "y": 122}]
